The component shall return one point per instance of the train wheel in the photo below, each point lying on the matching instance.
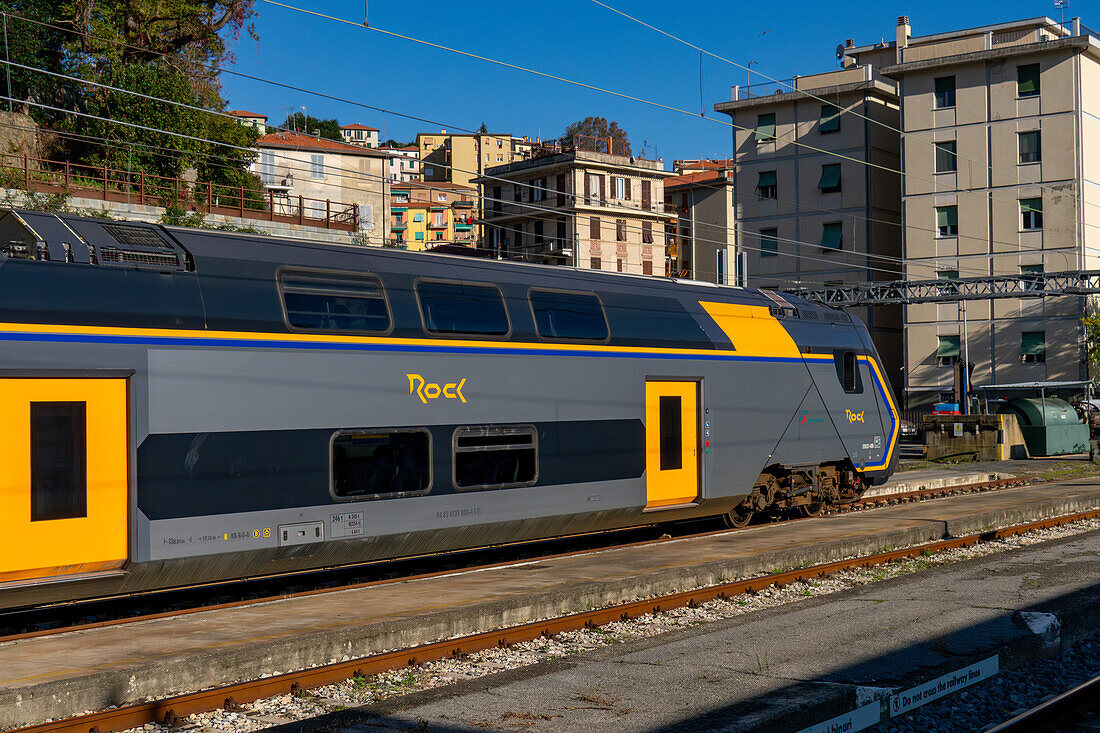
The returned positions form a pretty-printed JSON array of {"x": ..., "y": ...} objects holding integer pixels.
[
  {"x": 813, "y": 509},
  {"x": 739, "y": 516}
]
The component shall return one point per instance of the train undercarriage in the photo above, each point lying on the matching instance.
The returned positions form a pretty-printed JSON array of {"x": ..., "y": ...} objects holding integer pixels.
[{"x": 804, "y": 490}]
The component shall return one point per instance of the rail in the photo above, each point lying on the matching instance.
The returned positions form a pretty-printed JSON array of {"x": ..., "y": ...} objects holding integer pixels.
[
  {"x": 42, "y": 175},
  {"x": 171, "y": 710}
]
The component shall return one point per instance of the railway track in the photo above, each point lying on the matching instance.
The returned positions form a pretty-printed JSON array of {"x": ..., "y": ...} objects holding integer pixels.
[
  {"x": 231, "y": 697},
  {"x": 59, "y": 618},
  {"x": 1059, "y": 713}
]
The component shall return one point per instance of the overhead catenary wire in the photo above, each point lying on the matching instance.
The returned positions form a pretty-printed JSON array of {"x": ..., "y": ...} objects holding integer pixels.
[
  {"x": 904, "y": 135},
  {"x": 927, "y": 262},
  {"x": 634, "y": 98}
]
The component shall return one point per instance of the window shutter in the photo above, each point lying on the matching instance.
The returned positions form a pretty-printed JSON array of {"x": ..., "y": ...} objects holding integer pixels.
[
  {"x": 831, "y": 235},
  {"x": 767, "y": 178},
  {"x": 647, "y": 232},
  {"x": 594, "y": 227},
  {"x": 587, "y": 187},
  {"x": 647, "y": 267},
  {"x": 830, "y": 118},
  {"x": 561, "y": 190},
  {"x": 626, "y": 188},
  {"x": 1027, "y": 80},
  {"x": 1033, "y": 343},
  {"x": 948, "y": 347},
  {"x": 646, "y": 194},
  {"x": 603, "y": 189},
  {"x": 596, "y": 264},
  {"x": 830, "y": 177}
]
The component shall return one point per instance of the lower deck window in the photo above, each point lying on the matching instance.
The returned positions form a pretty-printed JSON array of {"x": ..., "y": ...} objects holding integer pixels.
[
  {"x": 59, "y": 484},
  {"x": 495, "y": 457},
  {"x": 381, "y": 463}
]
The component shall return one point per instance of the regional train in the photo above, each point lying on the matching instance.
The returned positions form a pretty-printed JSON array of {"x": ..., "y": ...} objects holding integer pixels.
[{"x": 183, "y": 406}]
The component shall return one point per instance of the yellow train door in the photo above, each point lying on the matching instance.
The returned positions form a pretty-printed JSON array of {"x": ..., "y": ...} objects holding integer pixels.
[
  {"x": 672, "y": 443},
  {"x": 64, "y": 477}
]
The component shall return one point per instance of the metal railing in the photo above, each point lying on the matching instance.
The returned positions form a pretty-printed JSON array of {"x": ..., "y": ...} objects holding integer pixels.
[{"x": 41, "y": 175}]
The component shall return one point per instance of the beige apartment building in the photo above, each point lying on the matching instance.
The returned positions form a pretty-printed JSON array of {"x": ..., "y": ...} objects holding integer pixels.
[
  {"x": 817, "y": 203},
  {"x": 322, "y": 178},
  {"x": 571, "y": 206},
  {"x": 701, "y": 239},
  {"x": 1001, "y": 154}
]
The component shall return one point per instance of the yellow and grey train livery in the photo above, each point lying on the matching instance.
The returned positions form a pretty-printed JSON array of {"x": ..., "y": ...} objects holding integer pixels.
[{"x": 184, "y": 406}]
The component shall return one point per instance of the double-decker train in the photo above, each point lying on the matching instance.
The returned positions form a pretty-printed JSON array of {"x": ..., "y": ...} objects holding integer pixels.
[{"x": 184, "y": 406}]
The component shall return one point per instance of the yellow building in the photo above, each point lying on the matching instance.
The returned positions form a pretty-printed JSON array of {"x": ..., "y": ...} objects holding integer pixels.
[{"x": 424, "y": 216}]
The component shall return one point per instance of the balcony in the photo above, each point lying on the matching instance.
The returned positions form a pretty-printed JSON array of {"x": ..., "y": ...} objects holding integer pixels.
[
  {"x": 463, "y": 226},
  {"x": 399, "y": 226},
  {"x": 462, "y": 204},
  {"x": 437, "y": 225}
]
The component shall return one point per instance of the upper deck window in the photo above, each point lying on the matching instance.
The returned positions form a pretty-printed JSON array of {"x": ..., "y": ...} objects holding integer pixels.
[
  {"x": 319, "y": 301},
  {"x": 570, "y": 316},
  {"x": 463, "y": 308}
]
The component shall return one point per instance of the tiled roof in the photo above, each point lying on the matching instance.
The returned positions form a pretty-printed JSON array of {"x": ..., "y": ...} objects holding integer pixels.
[
  {"x": 357, "y": 126},
  {"x": 693, "y": 178},
  {"x": 245, "y": 113},
  {"x": 298, "y": 141}
]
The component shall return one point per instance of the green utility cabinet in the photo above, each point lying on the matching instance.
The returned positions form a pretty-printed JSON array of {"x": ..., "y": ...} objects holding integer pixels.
[{"x": 1050, "y": 425}]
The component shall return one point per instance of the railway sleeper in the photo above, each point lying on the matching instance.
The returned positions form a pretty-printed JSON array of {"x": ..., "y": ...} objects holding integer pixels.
[{"x": 807, "y": 490}]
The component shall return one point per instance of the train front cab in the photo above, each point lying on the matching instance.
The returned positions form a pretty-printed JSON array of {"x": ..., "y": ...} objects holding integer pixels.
[{"x": 64, "y": 480}]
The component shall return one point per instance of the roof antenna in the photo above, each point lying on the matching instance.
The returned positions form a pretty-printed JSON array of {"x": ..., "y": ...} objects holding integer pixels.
[{"x": 366, "y": 4}]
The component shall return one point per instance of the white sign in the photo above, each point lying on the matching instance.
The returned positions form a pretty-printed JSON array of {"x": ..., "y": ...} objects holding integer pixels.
[
  {"x": 858, "y": 719},
  {"x": 958, "y": 430},
  {"x": 924, "y": 693}
]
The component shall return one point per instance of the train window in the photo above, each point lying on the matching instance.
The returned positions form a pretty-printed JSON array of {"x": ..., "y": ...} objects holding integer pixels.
[
  {"x": 451, "y": 307},
  {"x": 571, "y": 316},
  {"x": 381, "y": 463},
  {"x": 317, "y": 301},
  {"x": 671, "y": 416},
  {"x": 59, "y": 485},
  {"x": 495, "y": 457},
  {"x": 848, "y": 371}
]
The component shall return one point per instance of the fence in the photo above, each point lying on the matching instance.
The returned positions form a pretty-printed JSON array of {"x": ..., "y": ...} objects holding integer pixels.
[{"x": 109, "y": 184}]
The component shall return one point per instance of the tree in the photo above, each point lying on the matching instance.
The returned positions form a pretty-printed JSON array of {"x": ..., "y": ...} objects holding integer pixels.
[
  {"x": 599, "y": 127},
  {"x": 311, "y": 125},
  {"x": 482, "y": 129},
  {"x": 391, "y": 143}
]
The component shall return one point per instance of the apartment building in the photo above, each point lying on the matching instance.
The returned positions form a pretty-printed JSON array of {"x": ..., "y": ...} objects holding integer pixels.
[
  {"x": 1001, "y": 154},
  {"x": 405, "y": 163},
  {"x": 428, "y": 215},
  {"x": 255, "y": 120},
  {"x": 816, "y": 200},
  {"x": 322, "y": 177},
  {"x": 570, "y": 205},
  {"x": 701, "y": 239},
  {"x": 449, "y": 157},
  {"x": 356, "y": 134}
]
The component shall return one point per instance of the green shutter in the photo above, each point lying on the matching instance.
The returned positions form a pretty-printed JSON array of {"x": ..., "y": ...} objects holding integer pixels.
[
  {"x": 769, "y": 242},
  {"x": 949, "y": 346},
  {"x": 1031, "y": 269},
  {"x": 1035, "y": 205},
  {"x": 830, "y": 235},
  {"x": 418, "y": 217},
  {"x": 1033, "y": 343},
  {"x": 420, "y": 235},
  {"x": 947, "y": 275},
  {"x": 765, "y": 127},
  {"x": 1027, "y": 80},
  {"x": 830, "y": 118},
  {"x": 767, "y": 178},
  {"x": 947, "y": 216},
  {"x": 830, "y": 177}
]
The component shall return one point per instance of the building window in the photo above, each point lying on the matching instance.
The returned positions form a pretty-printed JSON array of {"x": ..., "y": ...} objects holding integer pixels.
[
  {"x": 1027, "y": 80},
  {"x": 497, "y": 203},
  {"x": 1031, "y": 150},
  {"x": 495, "y": 457},
  {"x": 562, "y": 234},
  {"x": 830, "y": 119},
  {"x": 398, "y": 219},
  {"x": 947, "y": 221},
  {"x": 647, "y": 232},
  {"x": 619, "y": 188},
  {"x": 517, "y": 192},
  {"x": 765, "y": 127},
  {"x": 947, "y": 352},
  {"x": 619, "y": 264},
  {"x": 594, "y": 227},
  {"x": 381, "y": 463},
  {"x": 596, "y": 264},
  {"x": 1033, "y": 347},
  {"x": 59, "y": 450},
  {"x": 647, "y": 267},
  {"x": 831, "y": 235},
  {"x": 500, "y": 158},
  {"x": 500, "y": 144},
  {"x": 593, "y": 183},
  {"x": 769, "y": 242},
  {"x": 946, "y": 158},
  {"x": 947, "y": 275},
  {"x": 1031, "y": 269},
  {"x": 538, "y": 193},
  {"x": 766, "y": 187},
  {"x": 419, "y": 236},
  {"x": 267, "y": 168},
  {"x": 316, "y": 166},
  {"x": 536, "y": 230},
  {"x": 945, "y": 92},
  {"x": 439, "y": 219},
  {"x": 450, "y": 307},
  {"x": 830, "y": 178},
  {"x": 439, "y": 236},
  {"x": 1031, "y": 213},
  {"x": 418, "y": 216},
  {"x": 441, "y": 197},
  {"x": 720, "y": 267},
  {"x": 620, "y": 230}
]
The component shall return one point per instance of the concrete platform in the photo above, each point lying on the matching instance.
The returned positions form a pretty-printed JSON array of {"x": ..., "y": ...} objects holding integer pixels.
[
  {"x": 783, "y": 669},
  {"x": 66, "y": 673}
]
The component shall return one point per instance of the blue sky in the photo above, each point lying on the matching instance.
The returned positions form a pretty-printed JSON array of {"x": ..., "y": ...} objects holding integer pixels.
[{"x": 572, "y": 38}]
